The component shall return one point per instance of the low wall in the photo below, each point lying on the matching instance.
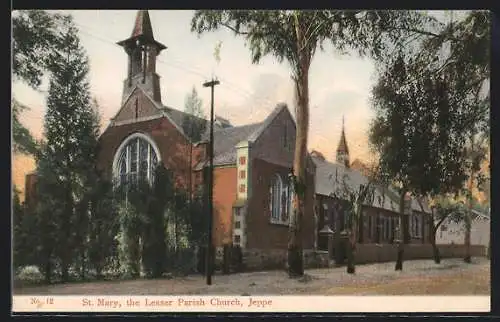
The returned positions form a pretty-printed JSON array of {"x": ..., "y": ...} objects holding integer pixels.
[
  {"x": 373, "y": 253},
  {"x": 259, "y": 259},
  {"x": 262, "y": 259}
]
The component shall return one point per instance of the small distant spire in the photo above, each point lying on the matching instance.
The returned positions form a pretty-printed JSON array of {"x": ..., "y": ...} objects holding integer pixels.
[{"x": 343, "y": 142}]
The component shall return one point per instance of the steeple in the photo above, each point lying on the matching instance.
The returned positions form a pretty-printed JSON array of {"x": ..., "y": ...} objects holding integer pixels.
[
  {"x": 342, "y": 149},
  {"x": 142, "y": 49}
]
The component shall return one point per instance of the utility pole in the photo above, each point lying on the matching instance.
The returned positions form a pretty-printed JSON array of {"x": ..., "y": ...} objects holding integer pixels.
[{"x": 209, "y": 255}]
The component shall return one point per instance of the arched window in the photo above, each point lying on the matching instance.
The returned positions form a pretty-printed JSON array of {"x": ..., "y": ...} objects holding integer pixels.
[{"x": 136, "y": 158}]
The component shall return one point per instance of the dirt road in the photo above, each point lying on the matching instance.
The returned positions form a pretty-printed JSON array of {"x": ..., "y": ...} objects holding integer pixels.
[{"x": 419, "y": 277}]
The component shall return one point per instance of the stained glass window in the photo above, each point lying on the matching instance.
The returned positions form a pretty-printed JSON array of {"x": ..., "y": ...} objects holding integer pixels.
[{"x": 138, "y": 160}]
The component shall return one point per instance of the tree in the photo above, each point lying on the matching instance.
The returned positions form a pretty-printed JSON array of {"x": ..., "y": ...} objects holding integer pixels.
[
  {"x": 103, "y": 225},
  {"x": 428, "y": 105},
  {"x": 71, "y": 131},
  {"x": 34, "y": 35},
  {"x": 19, "y": 247},
  {"x": 466, "y": 67},
  {"x": 445, "y": 209},
  {"x": 23, "y": 141},
  {"x": 194, "y": 125},
  {"x": 129, "y": 239},
  {"x": 294, "y": 37},
  {"x": 355, "y": 199}
]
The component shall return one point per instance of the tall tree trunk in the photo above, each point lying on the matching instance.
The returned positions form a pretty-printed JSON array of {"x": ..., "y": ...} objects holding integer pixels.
[
  {"x": 338, "y": 245},
  {"x": 435, "y": 249},
  {"x": 351, "y": 245},
  {"x": 402, "y": 231},
  {"x": 301, "y": 78},
  {"x": 467, "y": 220}
]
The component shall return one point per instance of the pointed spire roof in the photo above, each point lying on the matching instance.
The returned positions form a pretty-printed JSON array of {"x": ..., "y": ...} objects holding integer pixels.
[
  {"x": 142, "y": 30},
  {"x": 142, "y": 26},
  {"x": 343, "y": 142}
]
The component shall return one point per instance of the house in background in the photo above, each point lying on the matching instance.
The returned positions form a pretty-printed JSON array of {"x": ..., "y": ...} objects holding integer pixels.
[
  {"x": 451, "y": 232},
  {"x": 380, "y": 214}
]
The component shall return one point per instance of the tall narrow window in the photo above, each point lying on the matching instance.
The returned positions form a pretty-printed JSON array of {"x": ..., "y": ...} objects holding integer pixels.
[
  {"x": 370, "y": 227},
  {"x": 275, "y": 194},
  {"x": 136, "y": 108},
  {"x": 285, "y": 138}
]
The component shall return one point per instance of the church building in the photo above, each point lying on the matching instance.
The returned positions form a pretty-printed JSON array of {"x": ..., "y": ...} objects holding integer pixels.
[
  {"x": 380, "y": 217},
  {"x": 252, "y": 196}
]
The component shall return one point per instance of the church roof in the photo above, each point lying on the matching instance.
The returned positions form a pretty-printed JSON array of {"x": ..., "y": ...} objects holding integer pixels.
[
  {"x": 227, "y": 138},
  {"x": 329, "y": 175}
]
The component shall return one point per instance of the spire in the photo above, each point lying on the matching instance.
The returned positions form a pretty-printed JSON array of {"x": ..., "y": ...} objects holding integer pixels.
[
  {"x": 342, "y": 149},
  {"x": 142, "y": 31},
  {"x": 142, "y": 26},
  {"x": 343, "y": 142}
]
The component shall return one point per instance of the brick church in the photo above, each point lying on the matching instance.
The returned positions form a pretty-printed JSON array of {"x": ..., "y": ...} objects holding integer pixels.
[
  {"x": 251, "y": 163},
  {"x": 252, "y": 195}
]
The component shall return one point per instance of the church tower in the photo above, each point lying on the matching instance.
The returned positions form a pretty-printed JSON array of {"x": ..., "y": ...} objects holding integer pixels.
[
  {"x": 142, "y": 49},
  {"x": 342, "y": 149}
]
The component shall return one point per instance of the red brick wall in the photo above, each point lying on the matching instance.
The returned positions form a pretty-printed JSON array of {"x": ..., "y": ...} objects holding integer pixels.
[
  {"x": 173, "y": 146},
  {"x": 224, "y": 194},
  {"x": 145, "y": 107},
  {"x": 261, "y": 234},
  {"x": 30, "y": 190},
  {"x": 372, "y": 212}
]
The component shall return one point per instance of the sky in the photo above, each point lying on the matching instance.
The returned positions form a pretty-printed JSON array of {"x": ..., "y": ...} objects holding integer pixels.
[{"x": 339, "y": 86}]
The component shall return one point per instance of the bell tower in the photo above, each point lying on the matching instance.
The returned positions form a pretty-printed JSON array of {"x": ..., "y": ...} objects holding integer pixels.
[
  {"x": 142, "y": 49},
  {"x": 342, "y": 149}
]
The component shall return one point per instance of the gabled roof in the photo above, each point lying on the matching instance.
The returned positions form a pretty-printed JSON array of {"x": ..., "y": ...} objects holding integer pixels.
[
  {"x": 175, "y": 117},
  {"x": 269, "y": 119},
  {"x": 226, "y": 139}
]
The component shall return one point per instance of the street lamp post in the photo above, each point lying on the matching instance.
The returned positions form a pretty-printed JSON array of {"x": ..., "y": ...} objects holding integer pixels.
[{"x": 208, "y": 266}]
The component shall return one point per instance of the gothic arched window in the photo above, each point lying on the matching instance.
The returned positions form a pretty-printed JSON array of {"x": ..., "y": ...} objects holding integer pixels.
[{"x": 136, "y": 158}]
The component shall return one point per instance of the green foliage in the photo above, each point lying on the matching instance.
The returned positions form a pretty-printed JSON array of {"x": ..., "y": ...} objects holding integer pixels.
[
  {"x": 416, "y": 130},
  {"x": 197, "y": 220},
  {"x": 194, "y": 123},
  {"x": 432, "y": 106},
  {"x": 67, "y": 158},
  {"x": 448, "y": 209},
  {"x": 103, "y": 226},
  {"x": 23, "y": 141},
  {"x": 19, "y": 248},
  {"x": 273, "y": 32},
  {"x": 129, "y": 249},
  {"x": 35, "y": 34}
]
